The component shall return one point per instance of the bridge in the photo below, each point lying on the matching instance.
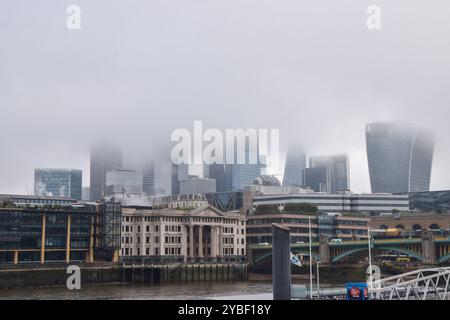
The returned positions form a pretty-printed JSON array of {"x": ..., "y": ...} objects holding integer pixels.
[{"x": 427, "y": 249}]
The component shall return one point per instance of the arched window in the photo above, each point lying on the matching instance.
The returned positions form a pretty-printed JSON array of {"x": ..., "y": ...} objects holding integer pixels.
[
  {"x": 417, "y": 227},
  {"x": 400, "y": 226},
  {"x": 434, "y": 226}
]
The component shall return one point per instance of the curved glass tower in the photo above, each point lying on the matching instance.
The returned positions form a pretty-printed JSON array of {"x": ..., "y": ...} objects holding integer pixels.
[{"x": 400, "y": 156}]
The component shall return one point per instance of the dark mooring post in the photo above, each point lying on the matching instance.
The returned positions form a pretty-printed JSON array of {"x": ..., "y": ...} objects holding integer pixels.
[{"x": 281, "y": 264}]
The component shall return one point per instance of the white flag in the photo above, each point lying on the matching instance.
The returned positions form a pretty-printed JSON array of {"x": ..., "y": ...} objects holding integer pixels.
[{"x": 295, "y": 260}]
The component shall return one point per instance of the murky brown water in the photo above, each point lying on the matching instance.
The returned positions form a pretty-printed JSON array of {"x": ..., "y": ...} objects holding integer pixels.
[
  {"x": 207, "y": 290},
  {"x": 185, "y": 291}
]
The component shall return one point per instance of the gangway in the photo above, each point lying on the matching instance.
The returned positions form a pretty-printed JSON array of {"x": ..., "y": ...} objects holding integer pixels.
[{"x": 422, "y": 284}]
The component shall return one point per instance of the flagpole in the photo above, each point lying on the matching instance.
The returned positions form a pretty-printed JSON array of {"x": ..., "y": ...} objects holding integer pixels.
[{"x": 310, "y": 260}]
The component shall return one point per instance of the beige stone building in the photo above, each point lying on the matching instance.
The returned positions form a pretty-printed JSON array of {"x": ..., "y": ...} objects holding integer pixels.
[{"x": 171, "y": 235}]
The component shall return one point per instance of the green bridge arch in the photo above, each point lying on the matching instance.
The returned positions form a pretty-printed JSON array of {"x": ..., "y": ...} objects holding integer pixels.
[
  {"x": 401, "y": 250},
  {"x": 444, "y": 258},
  {"x": 259, "y": 259}
]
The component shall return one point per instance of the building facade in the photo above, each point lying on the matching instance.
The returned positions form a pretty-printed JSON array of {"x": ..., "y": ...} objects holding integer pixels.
[
  {"x": 414, "y": 224},
  {"x": 400, "y": 157},
  {"x": 294, "y": 167},
  {"x": 336, "y": 169},
  {"x": 58, "y": 183},
  {"x": 347, "y": 202},
  {"x": 63, "y": 233},
  {"x": 148, "y": 179},
  {"x": 119, "y": 181},
  {"x": 222, "y": 174},
  {"x": 169, "y": 235},
  {"x": 197, "y": 185},
  {"x": 104, "y": 158},
  {"x": 36, "y": 201},
  {"x": 316, "y": 179},
  {"x": 259, "y": 227},
  {"x": 430, "y": 201}
]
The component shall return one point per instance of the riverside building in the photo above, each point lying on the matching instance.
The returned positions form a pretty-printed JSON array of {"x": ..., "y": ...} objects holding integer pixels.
[
  {"x": 44, "y": 233},
  {"x": 175, "y": 233}
]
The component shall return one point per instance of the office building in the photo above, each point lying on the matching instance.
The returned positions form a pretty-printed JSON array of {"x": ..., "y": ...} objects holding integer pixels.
[
  {"x": 226, "y": 201},
  {"x": 293, "y": 169},
  {"x": 194, "y": 185},
  {"x": 336, "y": 170},
  {"x": 222, "y": 174},
  {"x": 35, "y": 201},
  {"x": 149, "y": 179},
  {"x": 59, "y": 232},
  {"x": 430, "y": 201},
  {"x": 259, "y": 226},
  {"x": 104, "y": 158},
  {"x": 346, "y": 202},
  {"x": 316, "y": 179},
  {"x": 400, "y": 157},
  {"x": 170, "y": 235},
  {"x": 183, "y": 172},
  {"x": 85, "y": 194},
  {"x": 58, "y": 183},
  {"x": 121, "y": 181}
]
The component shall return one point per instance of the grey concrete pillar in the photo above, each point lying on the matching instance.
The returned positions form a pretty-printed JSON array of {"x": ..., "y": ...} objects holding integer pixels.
[
  {"x": 191, "y": 241},
  {"x": 281, "y": 263},
  {"x": 200, "y": 241},
  {"x": 220, "y": 242},
  {"x": 428, "y": 248},
  {"x": 324, "y": 249}
]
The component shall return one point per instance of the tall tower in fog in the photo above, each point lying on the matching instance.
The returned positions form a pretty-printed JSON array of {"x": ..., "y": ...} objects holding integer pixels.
[
  {"x": 335, "y": 170},
  {"x": 104, "y": 157},
  {"x": 293, "y": 169},
  {"x": 148, "y": 178},
  {"x": 400, "y": 157}
]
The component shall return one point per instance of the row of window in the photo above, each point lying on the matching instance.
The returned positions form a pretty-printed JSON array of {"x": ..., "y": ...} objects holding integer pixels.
[{"x": 174, "y": 251}]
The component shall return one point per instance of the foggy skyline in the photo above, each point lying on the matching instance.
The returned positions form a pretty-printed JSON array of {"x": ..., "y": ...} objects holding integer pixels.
[{"x": 137, "y": 70}]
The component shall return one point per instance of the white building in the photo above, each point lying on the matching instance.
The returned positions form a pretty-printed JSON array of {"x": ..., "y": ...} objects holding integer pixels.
[{"x": 171, "y": 235}]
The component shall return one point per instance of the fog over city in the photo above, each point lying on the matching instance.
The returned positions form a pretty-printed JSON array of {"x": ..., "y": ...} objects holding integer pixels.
[{"x": 139, "y": 69}]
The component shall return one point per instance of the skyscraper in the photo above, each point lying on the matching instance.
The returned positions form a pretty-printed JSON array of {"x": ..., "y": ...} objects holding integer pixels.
[
  {"x": 293, "y": 169},
  {"x": 222, "y": 174},
  {"x": 316, "y": 179},
  {"x": 337, "y": 172},
  {"x": 234, "y": 176},
  {"x": 58, "y": 183},
  {"x": 104, "y": 158},
  {"x": 400, "y": 157},
  {"x": 175, "y": 183},
  {"x": 148, "y": 179}
]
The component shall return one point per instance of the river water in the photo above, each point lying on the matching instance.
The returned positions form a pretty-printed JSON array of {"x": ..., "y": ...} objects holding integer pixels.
[
  {"x": 183, "y": 291},
  {"x": 200, "y": 290}
]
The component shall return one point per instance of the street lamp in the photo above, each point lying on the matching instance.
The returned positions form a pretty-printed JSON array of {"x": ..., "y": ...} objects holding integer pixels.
[
  {"x": 318, "y": 281},
  {"x": 310, "y": 259}
]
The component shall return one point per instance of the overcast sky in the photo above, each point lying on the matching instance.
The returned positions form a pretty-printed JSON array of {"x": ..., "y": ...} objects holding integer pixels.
[{"x": 138, "y": 69}]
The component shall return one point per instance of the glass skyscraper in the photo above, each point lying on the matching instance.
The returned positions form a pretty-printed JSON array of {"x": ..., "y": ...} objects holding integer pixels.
[
  {"x": 58, "y": 183},
  {"x": 104, "y": 158},
  {"x": 336, "y": 168},
  {"x": 400, "y": 157},
  {"x": 293, "y": 169},
  {"x": 148, "y": 178}
]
